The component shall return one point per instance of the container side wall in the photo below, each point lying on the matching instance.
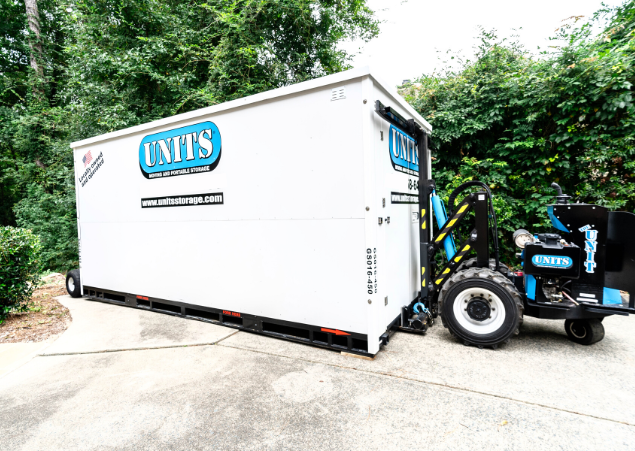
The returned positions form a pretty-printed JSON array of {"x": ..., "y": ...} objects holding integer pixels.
[{"x": 286, "y": 241}]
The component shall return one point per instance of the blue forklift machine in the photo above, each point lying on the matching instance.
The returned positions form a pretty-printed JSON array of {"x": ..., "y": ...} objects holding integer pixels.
[{"x": 580, "y": 273}]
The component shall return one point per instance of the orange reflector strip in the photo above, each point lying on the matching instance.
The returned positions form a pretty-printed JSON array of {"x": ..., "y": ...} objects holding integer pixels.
[{"x": 333, "y": 331}]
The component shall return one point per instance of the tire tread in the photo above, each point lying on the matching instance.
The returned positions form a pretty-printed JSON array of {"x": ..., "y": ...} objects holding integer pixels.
[
  {"x": 471, "y": 263},
  {"x": 482, "y": 273},
  {"x": 595, "y": 328}
]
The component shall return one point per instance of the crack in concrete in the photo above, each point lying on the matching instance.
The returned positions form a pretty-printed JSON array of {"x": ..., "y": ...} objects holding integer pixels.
[
  {"x": 437, "y": 384},
  {"x": 377, "y": 373},
  {"x": 147, "y": 348},
  {"x": 225, "y": 338}
]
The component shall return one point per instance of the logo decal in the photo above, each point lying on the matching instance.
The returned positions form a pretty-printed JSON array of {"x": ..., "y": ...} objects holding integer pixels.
[
  {"x": 186, "y": 199},
  {"x": 403, "y": 198},
  {"x": 590, "y": 247},
  {"x": 403, "y": 152},
  {"x": 186, "y": 150},
  {"x": 91, "y": 166},
  {"x": 87, "y": 158},
  {"x": 552, "y": 261}
]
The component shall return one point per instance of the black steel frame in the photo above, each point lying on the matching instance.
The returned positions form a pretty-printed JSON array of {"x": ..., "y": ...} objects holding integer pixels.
[
  {"x": 541, "y": 307},
  {"x": 478, "y": 240},
  {"x": 338, "y": 340}
]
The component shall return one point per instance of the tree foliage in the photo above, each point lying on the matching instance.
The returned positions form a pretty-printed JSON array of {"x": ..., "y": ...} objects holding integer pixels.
[
  {"x": 130, "y": 61},
  {"x": 520, "y": 122},
  {"x": 112, "y": 64}
]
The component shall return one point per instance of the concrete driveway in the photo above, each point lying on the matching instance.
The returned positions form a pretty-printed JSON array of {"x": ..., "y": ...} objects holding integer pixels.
[{"x": 121, "y": 378}]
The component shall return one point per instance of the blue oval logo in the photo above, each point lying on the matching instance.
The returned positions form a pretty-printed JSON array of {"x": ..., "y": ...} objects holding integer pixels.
[
  {"x": 182, "y": 151},
  {"x": 403, "y": 152},
  {"x": 552, "y": 261}
]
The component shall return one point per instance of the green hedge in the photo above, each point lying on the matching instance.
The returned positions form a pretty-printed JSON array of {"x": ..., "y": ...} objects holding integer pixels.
[
  {"x": 519, "y": 122},
  {"x": 19, "y": 268}
]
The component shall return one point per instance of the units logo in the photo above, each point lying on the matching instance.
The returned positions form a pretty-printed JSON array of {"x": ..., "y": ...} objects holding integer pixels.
[
  {"x": 552, "y": 261},
  {"x": 590, "y": 247},
  {"x": 182, "y": 151},
  {"x": 403, "y": 152}
]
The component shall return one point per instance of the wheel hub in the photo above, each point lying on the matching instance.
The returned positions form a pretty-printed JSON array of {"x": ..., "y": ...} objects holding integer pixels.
[
  {"x": 479, "y": 309},
  {"x": 577, "y": 329}
]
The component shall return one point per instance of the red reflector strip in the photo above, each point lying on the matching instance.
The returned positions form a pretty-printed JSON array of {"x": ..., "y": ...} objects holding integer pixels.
[
  {"x": 143, "y": 297},
  {"x": 333, "y": 331}
]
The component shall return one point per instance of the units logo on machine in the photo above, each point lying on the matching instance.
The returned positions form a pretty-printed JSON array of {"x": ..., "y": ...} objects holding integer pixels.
[
  {"x": 590, "y": 247},
  {"x": 182, "y": 151},
  {"x": 403, "y": 152},
  {"x": 552, "y": 261}
]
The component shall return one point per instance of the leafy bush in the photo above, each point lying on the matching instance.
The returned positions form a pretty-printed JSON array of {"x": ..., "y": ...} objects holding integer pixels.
[
  {"x": 19, "y": 253},
  {"x": 52, "y": 216},
  {"x": 520, "y": 122}
]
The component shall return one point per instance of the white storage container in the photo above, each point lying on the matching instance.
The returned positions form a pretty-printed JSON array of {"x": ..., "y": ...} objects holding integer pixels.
[{"x": 292, "y": 213}]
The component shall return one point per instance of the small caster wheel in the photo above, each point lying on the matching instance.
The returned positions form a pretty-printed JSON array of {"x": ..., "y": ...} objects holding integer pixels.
[
  {"x": 584, "y": 331},
  {"x": 73, "y": 284}
]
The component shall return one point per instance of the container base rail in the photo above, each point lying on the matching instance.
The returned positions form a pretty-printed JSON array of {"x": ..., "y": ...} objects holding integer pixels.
[{"x": 337, "y": 340}]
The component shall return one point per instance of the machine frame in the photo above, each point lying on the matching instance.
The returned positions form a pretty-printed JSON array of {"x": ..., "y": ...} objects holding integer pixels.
[{"x": 539, "y": 306}]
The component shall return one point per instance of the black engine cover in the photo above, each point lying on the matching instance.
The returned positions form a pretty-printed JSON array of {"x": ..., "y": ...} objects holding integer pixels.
[
  {"x": 587, "y": 226},
  {"x": 542, "y": 259}
]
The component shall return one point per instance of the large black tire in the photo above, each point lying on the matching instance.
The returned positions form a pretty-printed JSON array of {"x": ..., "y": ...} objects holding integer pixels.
[
  {"x": 471, "y": 263},
  {"x": 481, "y": 307},
  {"x": 73, "y": 283},
  {"x": 584, "y": 331}
]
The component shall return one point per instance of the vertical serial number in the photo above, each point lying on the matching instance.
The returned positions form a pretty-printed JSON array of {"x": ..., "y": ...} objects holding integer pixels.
[{"x": 371, "y": 270}]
